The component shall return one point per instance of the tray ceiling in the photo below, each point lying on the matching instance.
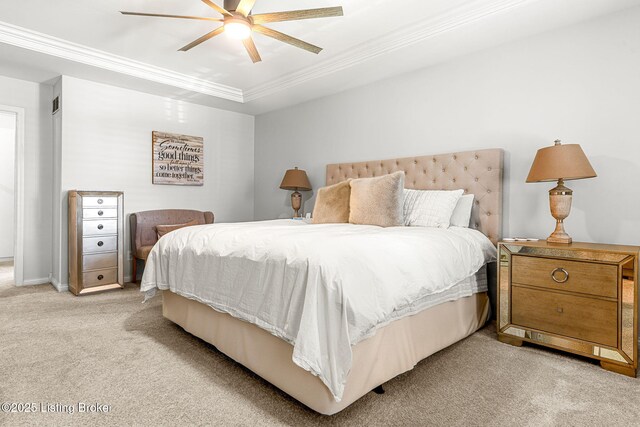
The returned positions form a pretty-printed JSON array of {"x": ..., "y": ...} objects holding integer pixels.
[{"x": 375, "y": 39}]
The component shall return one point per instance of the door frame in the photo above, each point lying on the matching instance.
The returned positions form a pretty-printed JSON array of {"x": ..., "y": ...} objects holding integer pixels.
[{"x": 18, "y": 195}]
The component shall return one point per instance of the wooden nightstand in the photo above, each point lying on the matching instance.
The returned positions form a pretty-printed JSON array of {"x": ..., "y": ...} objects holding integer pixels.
[{"x": 580, "y": 297}]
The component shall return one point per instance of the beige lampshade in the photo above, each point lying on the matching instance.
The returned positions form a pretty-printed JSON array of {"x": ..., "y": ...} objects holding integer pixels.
[
  {"x": 295, "y": 180},
  {"x": 560, "y": 161}
]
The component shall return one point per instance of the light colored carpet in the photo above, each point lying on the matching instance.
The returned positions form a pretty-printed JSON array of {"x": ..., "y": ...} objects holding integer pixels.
[{"x": 111, "y": 349}]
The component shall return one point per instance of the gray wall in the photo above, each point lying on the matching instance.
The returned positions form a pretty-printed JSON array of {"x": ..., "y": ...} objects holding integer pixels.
[{"x": 580, "y": 84}]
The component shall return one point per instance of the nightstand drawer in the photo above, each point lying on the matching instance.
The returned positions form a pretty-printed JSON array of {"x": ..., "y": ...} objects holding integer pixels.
[
  {"x": 574, "y": 276},
  {"x": 585, "y": 318}
]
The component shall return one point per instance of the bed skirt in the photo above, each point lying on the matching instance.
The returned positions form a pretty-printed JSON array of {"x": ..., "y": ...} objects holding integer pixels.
[{"x": 394, "y": 349}]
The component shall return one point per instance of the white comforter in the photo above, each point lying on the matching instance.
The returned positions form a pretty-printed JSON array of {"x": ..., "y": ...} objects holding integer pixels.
[{"x": 320, "y": 287}]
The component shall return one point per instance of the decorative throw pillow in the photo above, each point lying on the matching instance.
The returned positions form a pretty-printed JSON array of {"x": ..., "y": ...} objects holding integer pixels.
[
  {"x": 429, "y": 208},
  {"x": 332, "y": 203},
  {"x": 461, "y": 216},
  {"x": 377, "y": 201},
  {"x": 164, "y": 229}
]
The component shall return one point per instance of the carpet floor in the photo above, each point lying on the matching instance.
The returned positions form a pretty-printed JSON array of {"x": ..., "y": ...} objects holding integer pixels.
[{"x": 110, "y": 349}]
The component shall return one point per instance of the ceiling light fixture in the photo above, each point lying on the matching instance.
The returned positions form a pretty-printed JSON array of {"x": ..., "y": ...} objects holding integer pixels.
[
  {"x": 237, "y": 28},
  {"x": 239, "y": 23}
]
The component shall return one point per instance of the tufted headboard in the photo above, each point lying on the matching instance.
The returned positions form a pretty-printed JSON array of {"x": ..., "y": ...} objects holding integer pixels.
[{"x": 476, "y": 172}]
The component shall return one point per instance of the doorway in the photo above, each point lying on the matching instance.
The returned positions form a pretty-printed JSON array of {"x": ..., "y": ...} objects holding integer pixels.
[
  {"x": 8, "y": 123},
  {"x": 11, "y": 195}
]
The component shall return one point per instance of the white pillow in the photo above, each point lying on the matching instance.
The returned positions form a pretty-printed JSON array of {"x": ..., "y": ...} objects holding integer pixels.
[
  {"x": 429, "y": 208},
  {"x": 461, "y": 216}
]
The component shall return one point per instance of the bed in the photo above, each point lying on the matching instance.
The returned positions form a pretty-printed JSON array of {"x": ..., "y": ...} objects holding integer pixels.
[{"x": 328, "y": 345}]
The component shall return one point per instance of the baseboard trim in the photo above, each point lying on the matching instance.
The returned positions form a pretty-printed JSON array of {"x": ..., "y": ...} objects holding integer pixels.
[
  {"x": 6, "y": 259},
  {"x": 33, "y": 282},
  {"x": 60, "y": 287}
]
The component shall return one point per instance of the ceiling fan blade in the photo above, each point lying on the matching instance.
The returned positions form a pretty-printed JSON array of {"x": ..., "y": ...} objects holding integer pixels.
[
  {"x": 286, "y": 39},
  {"x": 217, "y": 8},
  {"x": 245, "y": 7},
  {"x": 204, "y": 38},
  {"x": 295, "y": 15},
  {"x": 251, "y": 49},
  {"x": 202, "y": 18}
]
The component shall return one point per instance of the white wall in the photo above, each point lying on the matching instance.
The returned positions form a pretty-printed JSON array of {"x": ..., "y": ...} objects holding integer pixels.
[
  {"x": 106, "y": 145},
  {"x": 35, "y": 99},
  {"x": 7, "y": 172},
  {"x": 580, "y": 84}
]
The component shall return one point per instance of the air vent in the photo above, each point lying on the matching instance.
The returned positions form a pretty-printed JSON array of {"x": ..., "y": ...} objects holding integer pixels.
[{"x": 55, "y": 105}]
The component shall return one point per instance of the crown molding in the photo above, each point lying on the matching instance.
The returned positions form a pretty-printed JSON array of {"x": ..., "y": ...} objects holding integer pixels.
[
  {"x": 457, "y": 17},
  {"x": 43, "y": 43}
]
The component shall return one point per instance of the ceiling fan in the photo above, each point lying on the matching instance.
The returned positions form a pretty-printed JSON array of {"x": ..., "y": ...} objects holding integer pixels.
[{"x": 238, "y": 22}]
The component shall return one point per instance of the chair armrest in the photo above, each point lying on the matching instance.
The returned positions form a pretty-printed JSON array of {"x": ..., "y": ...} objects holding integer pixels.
[
  {"x": 133, "y": 223},
  {"x": 208, "y": 217}
]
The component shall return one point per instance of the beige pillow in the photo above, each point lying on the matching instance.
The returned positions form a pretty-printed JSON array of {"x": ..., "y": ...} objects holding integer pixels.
[
  {"x": 164, "y": 229},
  {"x": 377, "y": 201},
  {"x": 332, "y": 204}
]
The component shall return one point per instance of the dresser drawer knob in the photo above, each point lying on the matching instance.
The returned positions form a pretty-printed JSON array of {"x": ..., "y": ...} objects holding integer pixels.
[
  {"x": 559, "y": 309},
  {"x": 100, "y": 213},
  {"x": 560, "y": 270},
  {"x": 100, "y": 243},
  {"x": 100, "y": 201},
  {"x": 100, "y": 226},
  {"x": 100, "y": 277}
]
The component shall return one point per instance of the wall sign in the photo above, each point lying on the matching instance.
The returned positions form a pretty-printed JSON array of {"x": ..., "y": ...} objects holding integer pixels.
[{"x": 177, "y": 159}]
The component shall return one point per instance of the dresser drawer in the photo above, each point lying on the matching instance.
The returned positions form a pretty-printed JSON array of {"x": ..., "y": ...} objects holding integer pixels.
[
  {"x": 581, "y": 317},
  {"x": 99, "y": 261},
  {"x": 99, "y": 202},
  {"x": 99, "y": 227},
  {"x": 100, "y": 277},
  {"x": 99, "y": 213},
  {"x": 99, "y": 244},
  {"x": 574, "y": 276}
]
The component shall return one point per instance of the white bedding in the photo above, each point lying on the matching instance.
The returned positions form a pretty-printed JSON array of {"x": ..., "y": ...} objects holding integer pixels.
[{"x": 320, "y": 287}]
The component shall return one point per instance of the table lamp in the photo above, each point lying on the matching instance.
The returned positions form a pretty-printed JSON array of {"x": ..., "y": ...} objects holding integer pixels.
[
  {"x": 560, "y": 162},
  {"x": 294, "y": 180}
]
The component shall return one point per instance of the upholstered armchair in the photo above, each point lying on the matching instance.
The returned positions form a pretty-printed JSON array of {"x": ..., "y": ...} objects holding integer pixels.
[{"x": 144, "y": 234}]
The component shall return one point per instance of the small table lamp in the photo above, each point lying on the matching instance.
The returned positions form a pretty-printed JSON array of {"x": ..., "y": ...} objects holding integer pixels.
[
  {"x": 560, "y": 162},
  {"x": 294, "y": 180}
]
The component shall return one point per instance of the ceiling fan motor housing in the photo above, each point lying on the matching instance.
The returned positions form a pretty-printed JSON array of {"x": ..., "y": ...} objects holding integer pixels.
[{"x": 231, "y": 5}]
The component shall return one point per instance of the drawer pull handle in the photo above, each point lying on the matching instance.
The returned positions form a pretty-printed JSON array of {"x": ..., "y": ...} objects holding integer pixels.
[
  {"x": 100, "y": 226},
  {"x": 100, "y": 277},
  {"x": 100, "y": 201},
  {"x": 100, "y": 243},
  {"x": 559, "y": 309},
  {"x": 100, "y": 213},
  {"x": 558, "y": 270}
]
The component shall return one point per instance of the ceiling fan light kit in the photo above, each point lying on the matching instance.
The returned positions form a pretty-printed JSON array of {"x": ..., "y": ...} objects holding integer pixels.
[
  {"x": 237, "y": 28},
  {"x": 238, "y": 22}
]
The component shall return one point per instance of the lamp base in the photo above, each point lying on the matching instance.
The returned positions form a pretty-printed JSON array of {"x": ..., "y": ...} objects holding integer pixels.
[
  {"x": 559, "y": 235},
  {"x": 560, "y": 198},
  {"x": 296, "y": 203}
]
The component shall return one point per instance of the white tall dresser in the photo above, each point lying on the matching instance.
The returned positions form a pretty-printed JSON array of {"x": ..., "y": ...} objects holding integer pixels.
[{"x": 96, "y": 241}]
